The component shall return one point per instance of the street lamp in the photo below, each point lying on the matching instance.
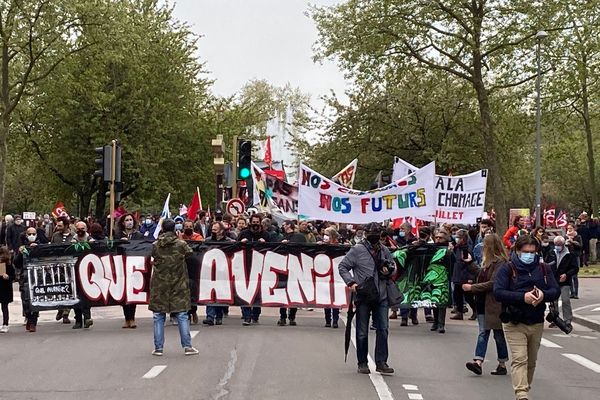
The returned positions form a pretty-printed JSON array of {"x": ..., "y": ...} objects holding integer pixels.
[{"x": 541, "y": 35}]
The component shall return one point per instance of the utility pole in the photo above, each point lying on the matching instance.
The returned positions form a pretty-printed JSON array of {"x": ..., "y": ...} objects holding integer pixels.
[
  {"x": 234, "y": 167},
  {"x": 538, "y": 131},
  {"x": 218, "y": 149}
]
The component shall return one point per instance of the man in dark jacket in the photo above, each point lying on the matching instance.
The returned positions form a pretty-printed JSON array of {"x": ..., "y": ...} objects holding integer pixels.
[
  {"x": 169, "y": 287},
  {"x": 463, "y": 272},
  {"x": 214, "y": 314},
  {"x": 565, "y": 268},
  {"x": 369, "y": 261},
  {"x": 523, "y": 286},
  {"x": 13, "y": 234},
  {"x": 291, "y": 235}
]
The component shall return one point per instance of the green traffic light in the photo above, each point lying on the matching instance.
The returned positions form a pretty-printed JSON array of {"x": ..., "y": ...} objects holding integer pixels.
[{"x": 244, "y": 173}]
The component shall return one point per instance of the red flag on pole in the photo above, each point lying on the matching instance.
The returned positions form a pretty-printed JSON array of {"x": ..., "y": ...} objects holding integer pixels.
[
  {"x": 195, "y": 206},
  {"x": 59, "y": 210},
  {"x": 268, "y": 156}
]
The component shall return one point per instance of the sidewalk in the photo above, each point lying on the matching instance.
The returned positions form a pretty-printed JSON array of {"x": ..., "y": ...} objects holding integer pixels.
[{"x": 586, "y": 310}]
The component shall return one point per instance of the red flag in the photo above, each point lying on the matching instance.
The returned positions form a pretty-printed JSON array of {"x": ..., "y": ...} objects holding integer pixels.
[
  {"x": 268, "y": 156},
  {"x": 59, "y": 210},
  {"x": 195, "y": 206}
]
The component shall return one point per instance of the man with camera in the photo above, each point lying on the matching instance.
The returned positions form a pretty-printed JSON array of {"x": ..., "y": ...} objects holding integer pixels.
[
  {"x": 565, "y": 268},
  {"x": 523, "y": 285},
  {"x": 372, "y": 266}
]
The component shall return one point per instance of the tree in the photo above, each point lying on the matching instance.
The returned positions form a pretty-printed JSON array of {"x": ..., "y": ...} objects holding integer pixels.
[
  {"x": 484, "y": 43},
  {"x": 35, "y": 38}
]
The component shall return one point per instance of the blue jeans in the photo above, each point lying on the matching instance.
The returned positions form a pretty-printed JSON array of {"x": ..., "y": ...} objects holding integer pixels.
[
  {"x": 251, "y": 313},
  {"x": 184, "y": 330},
  {"x": 483, "y": 338},
  {"x": 329, "y": 312},
  {"x": 380, "y": 319},
  {"x": 214, "y": 312}
]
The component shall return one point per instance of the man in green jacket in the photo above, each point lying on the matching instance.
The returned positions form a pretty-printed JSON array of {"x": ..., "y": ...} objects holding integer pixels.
[{"x": 169, "y": 287}]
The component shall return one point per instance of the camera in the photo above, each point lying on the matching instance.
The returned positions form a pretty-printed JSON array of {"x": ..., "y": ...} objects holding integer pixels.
[
  {"x": 554, "y": 318},
  {"x": 511, "y": 314}
]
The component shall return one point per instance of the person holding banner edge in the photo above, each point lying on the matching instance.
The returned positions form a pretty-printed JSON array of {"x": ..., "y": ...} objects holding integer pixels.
[{"x": 372, "y": 266}]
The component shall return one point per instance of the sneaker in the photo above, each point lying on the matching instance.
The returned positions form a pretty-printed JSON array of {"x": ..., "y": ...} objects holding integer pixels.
[
  {"x": 157, "y": 352},
  {"x": 77, "y": 325},
  {"x": 281, "y": 322},
  {"x": 88, "y": 323},
  {"x": 246, "y": 322},
  {"x": 474, "y": 367},
  {"x": 327, "y": 324},
  {"x": 465, "y": 309},
  {"x": 59, "y": 315},
  {"x": 384, "y": 368},
  {"x": 191, "y": 351},
  {"x": 293, "y": 322},
  {"x": 218, "y": 322},
  {"x": 335, "y": 325},
  {"x": 255, "y": 321},
  {"x": 363, "y": 369},
  {"x": 208, "y": 321},
  {"x": 4, "y": 329}
]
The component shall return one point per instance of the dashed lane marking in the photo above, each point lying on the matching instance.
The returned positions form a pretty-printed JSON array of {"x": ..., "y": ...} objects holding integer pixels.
[
  {"x": 415, "y": 396},
  {"x": 410, "y": 387},
  {"x": 194, "y": 333},
  {"x": 154, "y": 371},
  {"x": 589, "y": 364},
  {"x": 549, "y": 344}
]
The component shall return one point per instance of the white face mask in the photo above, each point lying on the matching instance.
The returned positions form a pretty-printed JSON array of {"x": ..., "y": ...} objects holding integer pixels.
[
  {"x": 326, "y": 238},
  {"x": 31, "y": 238}
]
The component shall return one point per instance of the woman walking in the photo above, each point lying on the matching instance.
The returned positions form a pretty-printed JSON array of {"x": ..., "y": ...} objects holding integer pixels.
[
  {"x": 7, "y": 276},
  {"x": 488, "y": 309}
]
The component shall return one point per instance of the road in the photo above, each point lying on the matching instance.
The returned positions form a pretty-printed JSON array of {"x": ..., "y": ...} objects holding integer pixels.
[{"x": 271, "y": 362}]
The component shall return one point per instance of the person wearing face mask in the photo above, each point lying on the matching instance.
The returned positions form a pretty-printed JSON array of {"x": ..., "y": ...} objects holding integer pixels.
[
  {"x": 405, "y": 235},
  {"x": 188, "y": 232},
  {"x": 30, "y": 239},
  {"x": 465, "y": 269},
  {"x": 13, "y": 234},
  {"x": 290, "y": 236},
  {"x": 83, "y": 313},
  {"x": 128, "y": 228},
  {"x": 253, "y": 234},
  {"x": 332, "y": 315},
  {"x": 523, "y": 286},
  {"x": 214, "y": 314},
  {"x": 359, "y": 236},
  {"x": 565, "y": 268},
  {"x": 442, "y": 239},
  {"x": 148, "y": 226},
  {"x": 368, "y": 265},
  {"x": 547, "y": 250}
]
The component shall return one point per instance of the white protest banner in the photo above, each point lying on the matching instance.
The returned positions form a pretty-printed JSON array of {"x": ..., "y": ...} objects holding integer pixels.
[
  {"x": 346, "y": 176},
  {"x": 402, "y": 169},
  {"x": 274, "y": 195},
  {"x": 459, "y": 199},
  {"x": 319, "y": 198}
]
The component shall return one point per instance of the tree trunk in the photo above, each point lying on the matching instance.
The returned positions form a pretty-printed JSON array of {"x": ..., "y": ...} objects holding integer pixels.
[
  {"x": 101, "y": 201},
  {"x": 590, "y": 146},
  {"x": 3, "y": 154},
  {"x": 84, "y": 204}
]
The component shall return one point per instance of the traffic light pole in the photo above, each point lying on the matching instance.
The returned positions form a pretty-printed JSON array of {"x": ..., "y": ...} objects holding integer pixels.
[
  {"x": 234, "y": 175},
  {"x": 113, "y": 169}
]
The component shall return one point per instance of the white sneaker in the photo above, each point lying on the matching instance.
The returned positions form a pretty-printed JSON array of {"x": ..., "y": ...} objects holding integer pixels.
[
  {"x": 190, "y": 351},
  {"x": 4, "y": 329}
]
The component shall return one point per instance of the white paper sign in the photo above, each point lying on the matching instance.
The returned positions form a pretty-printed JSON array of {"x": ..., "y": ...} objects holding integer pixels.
[{"x": 319, "y": 198}]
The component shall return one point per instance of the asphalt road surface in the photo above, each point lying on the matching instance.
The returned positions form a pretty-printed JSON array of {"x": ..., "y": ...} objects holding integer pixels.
[{"x": 271, "y": 362}]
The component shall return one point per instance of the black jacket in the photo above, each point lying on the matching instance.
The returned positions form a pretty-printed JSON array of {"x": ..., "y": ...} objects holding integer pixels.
[
  {"x": 568, "y": 265},
  {"x": 13, "y": 236},
  {"x": 253, "y": 236},
  {"x": 6, "y": 289}
]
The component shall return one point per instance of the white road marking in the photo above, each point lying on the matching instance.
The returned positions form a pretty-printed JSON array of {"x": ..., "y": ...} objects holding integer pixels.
[
  {"x": 415, "y": 396},
  {"x": 382, "y": 389},
  {"x": 596, "y": 309},
  {"x": 584, "y": 307},
  {"x": 221, "y": 391},
  {"x": 574, "y": 335},
  {"x": 410, "y": 387},
  {"x": 194, "y": 333},
  {"x": 154, "y": 371},
  {"x": 584, "y": 362},
  {"x": 549, "y": 344}
]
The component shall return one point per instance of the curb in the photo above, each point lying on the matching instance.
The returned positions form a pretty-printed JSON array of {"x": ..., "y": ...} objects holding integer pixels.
[{"x": 588, "y": 323}]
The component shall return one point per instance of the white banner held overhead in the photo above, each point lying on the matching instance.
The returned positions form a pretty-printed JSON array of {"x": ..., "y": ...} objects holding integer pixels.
[
  {"x": 459, "y": 199},
  {"x": 402, "y": 169},
  {"x": 319, "y": 198},
  {"x": 274, "y": 195},
  {"x": 346, "y": 176}
]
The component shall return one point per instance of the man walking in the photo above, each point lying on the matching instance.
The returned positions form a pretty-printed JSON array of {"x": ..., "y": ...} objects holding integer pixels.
[
  {"x": 371, "y": 265},
  {"x": 169, "y": 287}
]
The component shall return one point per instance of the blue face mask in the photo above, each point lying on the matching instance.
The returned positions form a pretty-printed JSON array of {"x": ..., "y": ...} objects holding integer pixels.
[
  {"x": 527, "y": 258},
  {"x": 401, "y": 233},
  {"x": 178, "y": 227}
]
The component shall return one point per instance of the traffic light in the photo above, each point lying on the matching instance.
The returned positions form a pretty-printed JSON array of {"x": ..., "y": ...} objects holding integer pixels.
[
  {"x": 244, "y": 159},
  {"x": 104, "y": 163}
]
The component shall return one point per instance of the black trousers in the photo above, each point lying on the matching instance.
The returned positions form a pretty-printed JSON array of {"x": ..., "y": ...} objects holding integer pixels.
[
  {"x": 4, "y": 313},
  {"x": 283, "y": 313},
  {"x": 129, "y": 312},
  {"x": 459, "y": 296},
  {"x": 84, "y": 312}
]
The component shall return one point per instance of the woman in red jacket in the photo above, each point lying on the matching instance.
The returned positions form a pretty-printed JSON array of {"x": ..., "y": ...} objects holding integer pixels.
[{"x": 512, "y": 234}]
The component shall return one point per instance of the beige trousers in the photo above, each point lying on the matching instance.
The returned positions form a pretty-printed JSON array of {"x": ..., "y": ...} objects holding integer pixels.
[{"x": 524, "y": 343}]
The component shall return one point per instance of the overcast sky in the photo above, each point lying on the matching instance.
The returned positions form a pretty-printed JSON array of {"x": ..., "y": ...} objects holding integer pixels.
[{"x": 260, "y": 39}]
